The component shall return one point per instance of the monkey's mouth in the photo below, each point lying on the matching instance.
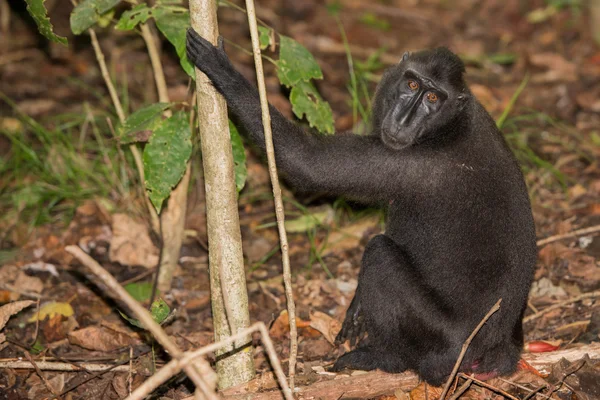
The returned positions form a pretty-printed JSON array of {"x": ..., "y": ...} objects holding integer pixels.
[{"x": 394, "y": 142}]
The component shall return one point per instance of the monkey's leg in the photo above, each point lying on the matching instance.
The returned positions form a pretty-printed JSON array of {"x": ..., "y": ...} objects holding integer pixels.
[{"x": 402, "y": 314}]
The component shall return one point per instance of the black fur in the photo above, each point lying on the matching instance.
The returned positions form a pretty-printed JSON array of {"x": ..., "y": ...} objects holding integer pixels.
[{"x": 460, "y": 233}]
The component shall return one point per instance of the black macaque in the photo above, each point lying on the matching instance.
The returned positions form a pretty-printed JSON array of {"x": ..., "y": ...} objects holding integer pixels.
[{"x": 460, "y": 232}]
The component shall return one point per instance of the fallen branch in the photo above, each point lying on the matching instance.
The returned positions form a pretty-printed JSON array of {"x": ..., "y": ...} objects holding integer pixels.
[
  {"x": 568, "y": 235},
  {"x": 62, "y": 366},
  {"x": 376, "y": 383},
  {"x": 567, "y": 302},
  {"x": 174, "y": 366},
  {"x": 200, "y": 373}
]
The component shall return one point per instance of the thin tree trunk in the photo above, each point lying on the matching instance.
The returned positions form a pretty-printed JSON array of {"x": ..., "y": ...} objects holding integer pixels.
[{"x": 226, "y": 265}]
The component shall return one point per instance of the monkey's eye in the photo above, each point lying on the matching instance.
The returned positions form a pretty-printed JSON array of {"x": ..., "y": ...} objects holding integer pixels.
[
  {"x": 432, "y": 97},
  {"x": 413, "y": 85}
]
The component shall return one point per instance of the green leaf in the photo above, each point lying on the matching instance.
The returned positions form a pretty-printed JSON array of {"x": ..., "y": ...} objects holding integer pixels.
[
  {"x": 374, "y": 21},
  {"x": 104, "y": 6},
  {"x": 503, "y": 58},
  {"x": 306, "y": 222},
  {"x": 159, "y": 311},
  {"x": 144, "y": 119},
  {"x": 306, "y": 101},
  {"x": 131, "y": 18},
  {"x": 165, "y": 157},
  {"x": 140, "y": 291},
  {"x": 239, "y": 157},
  {"x": 295, "y": 63},
  {"x": 174, "y": 24},
  {"x": 88, "y": 13},
  {"x": 38, "y": 12},
  {"x": 264, "y": 37}
]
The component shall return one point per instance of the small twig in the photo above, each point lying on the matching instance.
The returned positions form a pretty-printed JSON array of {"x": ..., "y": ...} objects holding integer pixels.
[
  {"x": 568, "y": 235},
  {"x": 11, "y": 288},
  {"x": 40, "y": 374},
  {"x": 566, "y": 373},
  {"x": 37, "y": 322},
  {"x": 531, "y": 392},
  {"x": 60, "y": 366},
  {"x": 200, "y": 373},
  {"x": 75, "y": 383},
  {"x": 463, "y": 388},
  {"x": 130, "y": 375},
  {"x": 465, "y": 346},
  {"x": 279, "y": 212},
  {"x": 488, "y": 386},
  {"x": 567, "y": 302}
]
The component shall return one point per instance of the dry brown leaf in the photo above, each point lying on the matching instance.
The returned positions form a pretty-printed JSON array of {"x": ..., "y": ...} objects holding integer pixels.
[
  {"x": 558, "y": 68},
  {"x": 57, "y": 382},
  {"x": 100, "y": 339},
  {"x": 281, "y": 326},
  {"x": 585, "y": 267},
  {"x": 10, "y": 309},
  {"x": 425, "y": 391},
  {"x": 119, "y": 383},
  {"x": 329, "y": 327},
  {"x": 349, "y": 236},
  {"x": 131, "y": 244},
  {"x": 26, "y": 283}
]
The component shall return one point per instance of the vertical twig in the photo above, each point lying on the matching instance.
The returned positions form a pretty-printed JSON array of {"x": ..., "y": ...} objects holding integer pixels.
[
  {"x": 465, "y": 346},
  {"x": 266, "y": 120},
  {"x": 173, "y": 217},
  {"x": 119, "y": 109}
]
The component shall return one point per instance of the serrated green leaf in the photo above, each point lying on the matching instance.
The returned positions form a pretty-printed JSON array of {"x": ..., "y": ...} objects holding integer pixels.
[
  {"x": 141, "y": 291},
  {"x": 174, "y": 25},
  {"x": 239, "y": 157},
  {"x": 144, "y": 119},
  {"x": 306, "y": 101},
  {"x": 165, "y": 157},
  {"x": 88, "y": 13},
  {"x": 131, "y": 18},
  {"x": 295, "y": 63},
  {"x": 264, "y": 37},
  {"x": 38, "y": 12},
  {"x": 159, "y": 311}
]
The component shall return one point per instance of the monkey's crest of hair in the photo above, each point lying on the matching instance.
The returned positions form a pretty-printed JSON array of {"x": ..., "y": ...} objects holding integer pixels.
[{"x": 440, "y": 64}]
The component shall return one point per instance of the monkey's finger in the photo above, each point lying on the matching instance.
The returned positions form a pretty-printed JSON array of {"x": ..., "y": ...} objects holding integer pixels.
[{"x": 221, "y": 43}]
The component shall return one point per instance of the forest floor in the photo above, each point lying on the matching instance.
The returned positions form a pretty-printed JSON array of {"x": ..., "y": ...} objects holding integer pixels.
[{"x": 68, "y": 197}]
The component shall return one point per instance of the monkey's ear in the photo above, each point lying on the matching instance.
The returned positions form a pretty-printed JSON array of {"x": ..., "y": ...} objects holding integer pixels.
[{"x": 405, "y": 56}]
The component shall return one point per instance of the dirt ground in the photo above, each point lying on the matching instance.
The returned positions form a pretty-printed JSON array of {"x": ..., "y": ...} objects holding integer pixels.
[{"x": 553, "y": 127}]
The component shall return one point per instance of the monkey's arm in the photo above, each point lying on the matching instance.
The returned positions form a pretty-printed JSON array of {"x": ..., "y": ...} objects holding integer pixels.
[{"x": 360, "y": 167}]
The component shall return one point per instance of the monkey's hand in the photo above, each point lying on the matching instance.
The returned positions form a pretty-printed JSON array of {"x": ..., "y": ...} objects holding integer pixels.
[
  {"x": 353, "y": 328},
  {"x": 213, "y": 62}
]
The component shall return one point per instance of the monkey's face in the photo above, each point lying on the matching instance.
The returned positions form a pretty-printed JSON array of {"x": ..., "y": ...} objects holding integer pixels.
[{"x": 417, "y": 98}]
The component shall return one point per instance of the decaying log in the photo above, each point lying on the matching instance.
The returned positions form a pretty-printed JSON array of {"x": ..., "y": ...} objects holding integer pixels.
[{"x": 377, "y": 383}]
